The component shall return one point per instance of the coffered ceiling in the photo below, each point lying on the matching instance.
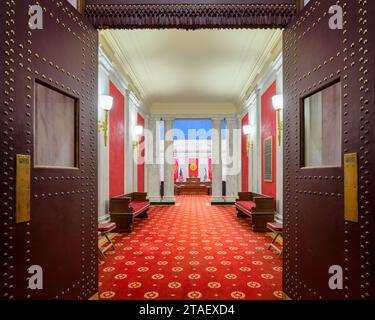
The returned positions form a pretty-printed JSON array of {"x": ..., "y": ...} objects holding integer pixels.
[{"x": 202, "y": 67}]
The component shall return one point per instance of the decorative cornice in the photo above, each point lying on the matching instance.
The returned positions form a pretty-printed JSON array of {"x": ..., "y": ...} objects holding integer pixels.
[
  {"x": 189, "y": 116},
  {"x": 270, "y": 73},
  {"x": 107, "y": 49},
  {"x": 104, "y": 61},
  {"x": 190, "y": 16}
]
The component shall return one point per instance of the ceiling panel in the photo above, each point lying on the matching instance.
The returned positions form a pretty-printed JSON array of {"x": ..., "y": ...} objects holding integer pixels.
[{"x": 201, "y": 66}]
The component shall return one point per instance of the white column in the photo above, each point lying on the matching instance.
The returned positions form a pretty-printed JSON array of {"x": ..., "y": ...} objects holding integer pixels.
[
  {"x": 168, "y": 161},
  {"x": 239, "y": 153},
  {"x": 254, "y": 164},
  {"x": 147, "y": 125},
  {"x": 129, "y": 160},
  {"x": 232, "y": 162},
  {"x": 152, "y": 163},
  {"x": 257, "y": 165},
  {"x": 250, "y": 164},
  {"x": 217, "y": 170},
  {"x": 279, "y": 154},
  {"x": 103, "y": 151}
]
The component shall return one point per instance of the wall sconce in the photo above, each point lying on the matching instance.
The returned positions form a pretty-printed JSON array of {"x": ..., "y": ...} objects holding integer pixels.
[
  {"x": 249, "y": 143},
  {"x": 106, "y": 103},
  {"x": 138, "y": 132},
  {"x": 278, "y": 104}
]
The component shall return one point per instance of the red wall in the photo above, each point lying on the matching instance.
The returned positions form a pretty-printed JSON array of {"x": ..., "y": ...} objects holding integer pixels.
[
  {"x": 245, "y": 157},
  {"x": 116, "y": 142},
  {"x": 268, "y": 123},
  {"x": 141, "y": 164}
]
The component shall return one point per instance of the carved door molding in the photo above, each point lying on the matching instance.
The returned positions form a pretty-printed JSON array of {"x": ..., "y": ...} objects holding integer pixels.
[{"x": 191, "y": 14}]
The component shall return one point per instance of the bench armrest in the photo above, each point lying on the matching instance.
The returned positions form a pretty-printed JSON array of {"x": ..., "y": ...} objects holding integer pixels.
[
  {"x": 120, "y": 205},
  {"x": 245, "y": 196},
  {"x": 264, "y": 204},
  {"x": 139, "y": 196}
]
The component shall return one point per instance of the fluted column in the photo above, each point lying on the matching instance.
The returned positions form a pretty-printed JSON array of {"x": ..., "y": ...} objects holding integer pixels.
[
  {"x": 129, "y": 150},
  {"x": 217, "y": 179},
  {"x": 152, "y": 139},
  {"x": 168, "y": 162},
  {"x": 232, "y": 161}
]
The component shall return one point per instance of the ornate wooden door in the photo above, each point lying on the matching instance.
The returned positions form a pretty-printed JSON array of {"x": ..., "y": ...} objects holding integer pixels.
[
  {"x": 48, "y": 146},
  {"x": 329, "y": 143}
]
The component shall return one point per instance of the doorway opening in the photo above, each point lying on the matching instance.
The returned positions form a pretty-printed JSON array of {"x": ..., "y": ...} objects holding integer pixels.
[{"x": 195, "y": 94}]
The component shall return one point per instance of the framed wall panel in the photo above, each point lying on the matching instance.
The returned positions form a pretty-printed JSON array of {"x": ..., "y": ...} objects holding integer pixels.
[
  {"x": 55, "y": 128},
  {"x": 268, "y": 159}
]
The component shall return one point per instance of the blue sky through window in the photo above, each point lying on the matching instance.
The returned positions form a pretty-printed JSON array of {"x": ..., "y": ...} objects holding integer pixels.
[{"x": 201, "y": 127}]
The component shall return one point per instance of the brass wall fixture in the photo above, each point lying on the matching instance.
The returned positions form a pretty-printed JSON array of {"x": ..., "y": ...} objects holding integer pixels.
[
  {"x": 138, "y": 132},
  {"x": 247, "y": 130},
  {"x": 278, "y": 105},
  {"x": 106, "y": 103}
]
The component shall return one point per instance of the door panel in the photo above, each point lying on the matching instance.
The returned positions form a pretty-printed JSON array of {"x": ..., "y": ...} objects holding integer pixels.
[
  {"x": 61, "y": 235},
  {"x": 316, "y": 233}
]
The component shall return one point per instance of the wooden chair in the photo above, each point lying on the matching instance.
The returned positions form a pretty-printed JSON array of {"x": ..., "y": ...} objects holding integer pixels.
[
  {"x": 104, "y": 229},
  {"x": 276, "y": 228}
]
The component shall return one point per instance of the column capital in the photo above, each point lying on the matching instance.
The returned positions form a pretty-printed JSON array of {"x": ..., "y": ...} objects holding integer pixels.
[
  {"x": 217, "y": 118},
  {"x": 154, "y": 118},
  {"x": 168, "y": 118},
  {"x": 230, "y": 118}
]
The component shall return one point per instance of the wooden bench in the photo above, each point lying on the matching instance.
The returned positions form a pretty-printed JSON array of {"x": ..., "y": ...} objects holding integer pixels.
[
  {"x": 125, "y": 208},
  {"x": 260, "y": 208}
]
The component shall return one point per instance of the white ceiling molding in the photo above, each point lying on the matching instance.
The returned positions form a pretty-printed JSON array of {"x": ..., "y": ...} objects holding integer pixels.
[
  {"x": 193, "y": 108},
  {"x": 187, "y": 69},
  {"x": 267, "y": 76},
  {"x": 139, "y": 105},
  {"x": 113, "y": 72},
  {"x": 108, "y": 50},
  {"x": 106, "y": 65},
  {"x": 104, "y": 62},
  {"x": 270, "y": 74},
  {"x": 192, "y": 116},
  {"x": 263, "y": 62}
]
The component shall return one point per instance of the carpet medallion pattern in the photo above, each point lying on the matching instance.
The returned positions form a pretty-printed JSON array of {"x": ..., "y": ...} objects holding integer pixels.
[{"x": 191, "y": 251}]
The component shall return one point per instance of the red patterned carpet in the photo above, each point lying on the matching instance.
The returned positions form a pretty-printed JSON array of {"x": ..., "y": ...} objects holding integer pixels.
[{"x": 191, "y": 251}]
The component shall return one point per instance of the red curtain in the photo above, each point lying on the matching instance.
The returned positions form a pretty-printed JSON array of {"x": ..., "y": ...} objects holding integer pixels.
[
  {"x": 193, "y": 167},
  {"x": 210, "y": 169},
  {"x": 175, "y": 169}
]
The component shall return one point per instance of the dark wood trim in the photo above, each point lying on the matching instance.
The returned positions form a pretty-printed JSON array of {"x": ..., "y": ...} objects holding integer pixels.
[
  {"x": 300, "y": 5},
  {"x": 81, "y": 6},
  {"x": 222, "y": 203},
  {"x": 162, "y": 203},
  {"x": 190, "y": 16}
]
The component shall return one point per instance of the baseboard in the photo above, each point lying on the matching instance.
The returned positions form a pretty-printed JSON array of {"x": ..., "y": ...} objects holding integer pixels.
[
  {"x": 222, "y": 203},
  {"x": 105, "y": 218},
  {"x": 162, "y": 203},
  {"x": 278, "y": 218}
]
